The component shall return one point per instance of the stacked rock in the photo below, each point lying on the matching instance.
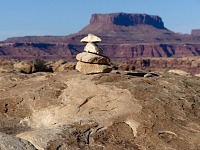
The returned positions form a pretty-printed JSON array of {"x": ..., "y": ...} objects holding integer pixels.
[{"x": 92, "y": 61}]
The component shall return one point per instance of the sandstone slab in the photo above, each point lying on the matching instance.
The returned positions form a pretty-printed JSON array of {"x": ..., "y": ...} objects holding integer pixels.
[
  {"x": 87, "y": 68},
  {"x": 92, "y": 58}
]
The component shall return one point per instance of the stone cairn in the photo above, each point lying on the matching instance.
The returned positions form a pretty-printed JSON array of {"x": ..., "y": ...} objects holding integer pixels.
[{"x": 92, "y": 61}]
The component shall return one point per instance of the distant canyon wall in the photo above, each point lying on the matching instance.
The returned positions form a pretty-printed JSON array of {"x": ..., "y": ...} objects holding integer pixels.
[
  {"x": 188, "y": 64},
  {"x": 114, "y": 51}
]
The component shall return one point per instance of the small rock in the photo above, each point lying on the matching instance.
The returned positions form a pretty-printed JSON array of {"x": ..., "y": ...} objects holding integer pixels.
[
  {"x": 167, "y": 136},
  {"x": 93, "y": 48},
  {"x": 55, "y": 65},
  {"x": 91, "y": 38},
  {"x": 66, "y": 67}
]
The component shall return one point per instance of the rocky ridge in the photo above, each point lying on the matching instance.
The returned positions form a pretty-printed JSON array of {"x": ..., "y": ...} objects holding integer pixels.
[{"x": 190, "y": 65}]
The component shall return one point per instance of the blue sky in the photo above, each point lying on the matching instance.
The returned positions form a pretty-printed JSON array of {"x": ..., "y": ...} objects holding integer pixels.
[{"x": 63, "y": 17}]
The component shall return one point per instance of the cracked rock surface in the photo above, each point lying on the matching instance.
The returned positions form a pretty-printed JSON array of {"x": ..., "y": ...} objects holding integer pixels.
[{"x": 49, "y": 111}]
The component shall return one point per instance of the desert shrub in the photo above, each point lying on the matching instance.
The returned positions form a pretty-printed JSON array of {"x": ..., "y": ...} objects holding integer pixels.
[{"x": 41, "y": 66}]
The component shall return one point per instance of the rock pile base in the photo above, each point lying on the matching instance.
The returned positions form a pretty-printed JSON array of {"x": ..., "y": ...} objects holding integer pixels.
[{"x": 87, "y": 68}]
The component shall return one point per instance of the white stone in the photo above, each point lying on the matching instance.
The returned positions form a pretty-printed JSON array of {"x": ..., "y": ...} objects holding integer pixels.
[
  {"x": 92, "y": 58},
  {"x": 91, "y": 38},
  {"x": 93, "y": 48}
]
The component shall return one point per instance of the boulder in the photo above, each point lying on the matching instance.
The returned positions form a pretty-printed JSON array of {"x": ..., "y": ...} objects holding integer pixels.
[
  {"x": 66, "y": 67},
  {"x": 92, "y": 58},
  {"x": 6, "y": 66},
  {"x": 55, "y": 65},
  {"x": 23, "y": 66},
  {"x": 93, "y": 48},
  {"x": 87, "y": 68}
]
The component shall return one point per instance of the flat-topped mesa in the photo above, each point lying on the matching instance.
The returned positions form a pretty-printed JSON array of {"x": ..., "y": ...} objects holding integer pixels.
[{"x": 126, "y": 19}]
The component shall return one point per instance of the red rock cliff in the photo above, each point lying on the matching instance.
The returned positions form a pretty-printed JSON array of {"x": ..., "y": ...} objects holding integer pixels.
[
  {"x": 124, "y": 19},
  {"x": 121, "y": 22}
]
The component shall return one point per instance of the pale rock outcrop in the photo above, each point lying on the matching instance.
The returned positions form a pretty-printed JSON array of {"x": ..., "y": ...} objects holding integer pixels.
[
  {"x": 179, "y": 72},
  {"x": 69, "y": 110},
  {"x": 92, "y": 60},
  {"x": 197, "y": 75}
]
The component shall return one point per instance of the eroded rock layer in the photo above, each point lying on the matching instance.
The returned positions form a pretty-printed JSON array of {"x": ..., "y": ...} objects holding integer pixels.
[{"x": 68, "y": 110}]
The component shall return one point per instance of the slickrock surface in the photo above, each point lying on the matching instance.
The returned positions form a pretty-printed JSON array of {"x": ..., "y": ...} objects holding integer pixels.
[{"x": 69, "y": 110}]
